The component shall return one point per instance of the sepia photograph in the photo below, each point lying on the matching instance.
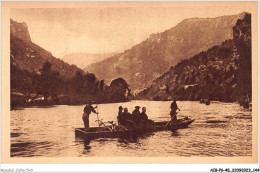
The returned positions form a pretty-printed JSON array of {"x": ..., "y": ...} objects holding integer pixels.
[{"x": 153, "y": 82}]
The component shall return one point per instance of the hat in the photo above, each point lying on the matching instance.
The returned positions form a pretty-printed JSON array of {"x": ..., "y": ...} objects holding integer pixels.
[
  {"x": 137, "y": 107},
  {"x": 90, "y": 102}
]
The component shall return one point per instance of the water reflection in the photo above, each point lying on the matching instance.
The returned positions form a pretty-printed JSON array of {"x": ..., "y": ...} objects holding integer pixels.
[
  {"x": 175, "y": 133},
  {"x": 127, "y": 140},
  {"x": 49, "y": 132},
  {"x": 15, "y": 134},
  {"x": 87, "y": 144},
  {"x": 135, "y": 137}
]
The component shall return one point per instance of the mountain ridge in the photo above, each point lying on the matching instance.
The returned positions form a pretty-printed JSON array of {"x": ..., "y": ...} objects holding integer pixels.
[
  {"x": 221, "y": 73},
  {"x": 155, "y": 55},
  {"x": 83, "y": 59}
]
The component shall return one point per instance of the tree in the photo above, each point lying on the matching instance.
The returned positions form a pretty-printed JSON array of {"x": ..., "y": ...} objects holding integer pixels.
[
  {"x": 119, "y": 90},
  {"x": 78, "y": 82},
  {"x": 90, "y": 84},
  {"x": 25, "y": 82},
  {"x": 242, "y": 39},
  {"x": 50, "y": 81}
]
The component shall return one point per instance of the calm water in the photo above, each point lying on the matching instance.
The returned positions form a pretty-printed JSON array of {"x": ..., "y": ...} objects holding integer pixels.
[{"x": 48, "y": 132}]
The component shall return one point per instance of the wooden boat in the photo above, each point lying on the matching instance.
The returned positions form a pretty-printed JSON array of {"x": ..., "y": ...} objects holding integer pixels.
[
  {"x": 206, "y": 101},
  {"x": 95, "y": 132}
]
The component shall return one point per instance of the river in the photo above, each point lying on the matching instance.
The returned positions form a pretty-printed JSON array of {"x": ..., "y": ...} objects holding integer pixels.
[{"x": 49, "y": 132}]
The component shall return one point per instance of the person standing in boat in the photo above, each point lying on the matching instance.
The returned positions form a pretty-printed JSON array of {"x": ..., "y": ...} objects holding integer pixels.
[
  {"x": 120, "y": 114},
  {"x": 174, "y": 108},
  {"x": 87, "y": 111}
]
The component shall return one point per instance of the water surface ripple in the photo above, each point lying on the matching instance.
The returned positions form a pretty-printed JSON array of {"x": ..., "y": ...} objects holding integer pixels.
[{"x": 220, "y": 129}]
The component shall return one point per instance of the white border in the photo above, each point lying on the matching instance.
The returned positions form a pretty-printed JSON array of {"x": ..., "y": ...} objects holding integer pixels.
[{"x": 123, "y": 167}]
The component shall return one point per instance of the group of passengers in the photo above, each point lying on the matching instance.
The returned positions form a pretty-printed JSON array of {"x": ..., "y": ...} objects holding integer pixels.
[{"x": 135, "y": 119}]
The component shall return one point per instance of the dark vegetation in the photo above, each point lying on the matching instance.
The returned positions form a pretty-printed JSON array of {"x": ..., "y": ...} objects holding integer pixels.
[
  {"x": 48, "y": 87},
  {"x": 38, "y": 78},
  {"x": 221, "y": 73}
]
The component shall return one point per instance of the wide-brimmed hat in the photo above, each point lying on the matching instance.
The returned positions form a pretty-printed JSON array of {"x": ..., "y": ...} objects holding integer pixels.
[
  {"x": 137, "y": 107},
  {"x": 90, "y": 102}
]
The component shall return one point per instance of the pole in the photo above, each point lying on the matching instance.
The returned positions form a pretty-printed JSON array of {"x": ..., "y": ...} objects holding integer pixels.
[
  {"x": 98, "y": 117},
  {"x": 170, "y": 120}
]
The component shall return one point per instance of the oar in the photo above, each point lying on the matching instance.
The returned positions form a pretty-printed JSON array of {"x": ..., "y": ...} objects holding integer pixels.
[
  {"x": 168, "y": 124},
  {"x": 170, "y": 120}
]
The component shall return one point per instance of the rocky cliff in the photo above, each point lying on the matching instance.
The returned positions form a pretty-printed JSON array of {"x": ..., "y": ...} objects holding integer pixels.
[
  {"x": 148, "y": 60},
  {"x": 214, "y": 74},
  {"x": 20, "y": 30},
  {"x": 28, "y": 56}
]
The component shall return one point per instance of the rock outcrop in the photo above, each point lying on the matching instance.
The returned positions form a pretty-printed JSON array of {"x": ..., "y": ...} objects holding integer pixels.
[{"x": 20, "y": 30}]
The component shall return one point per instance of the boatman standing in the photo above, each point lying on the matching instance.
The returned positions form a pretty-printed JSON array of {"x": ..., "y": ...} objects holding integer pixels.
[
  {"x": 120, "y": 113},
  {"x": 87, "y": 111},
  {"x": 173, "y": 112}
]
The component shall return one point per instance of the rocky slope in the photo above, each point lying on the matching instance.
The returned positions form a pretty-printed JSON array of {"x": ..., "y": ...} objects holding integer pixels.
[
  {"x": 220, "y": 73},
  {"x": 148, "y": 60},
  {"x": 28, "y": 56}
]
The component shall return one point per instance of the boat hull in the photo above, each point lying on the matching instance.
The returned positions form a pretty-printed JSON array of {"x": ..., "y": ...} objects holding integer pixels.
[{"x": 94, "y": 132}]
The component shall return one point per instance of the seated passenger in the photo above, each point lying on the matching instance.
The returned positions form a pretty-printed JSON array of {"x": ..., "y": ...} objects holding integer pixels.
[
  {"x": 143, "y": 115},
  {"x": 127, "y": 119},
  {"x": 136, "y": 114},
  {"x": 144, "y": 118}
]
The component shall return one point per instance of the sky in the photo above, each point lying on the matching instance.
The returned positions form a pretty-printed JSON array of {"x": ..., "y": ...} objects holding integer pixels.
[{"x": 104, "y": 29}]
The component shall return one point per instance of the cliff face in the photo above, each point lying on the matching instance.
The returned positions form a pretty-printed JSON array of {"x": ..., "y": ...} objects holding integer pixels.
[
  {"x": 214, "y": 74},
  {"x": 20, "y": 30},
  {"x": 148, "y": 60},
  {"x": 28, "y": 56}
]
